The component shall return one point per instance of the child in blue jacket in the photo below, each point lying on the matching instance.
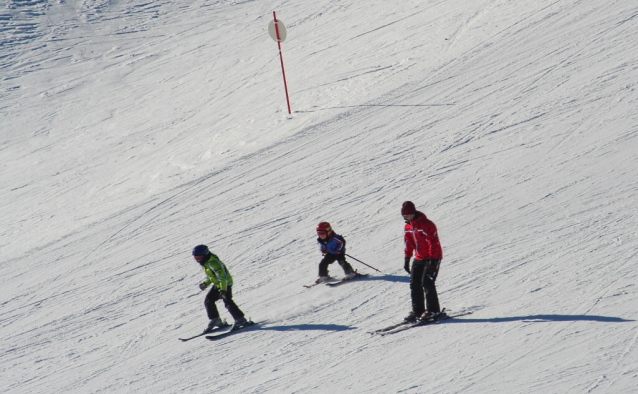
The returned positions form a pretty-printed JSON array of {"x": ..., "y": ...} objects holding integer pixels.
[{"x": 333, "y": 248}]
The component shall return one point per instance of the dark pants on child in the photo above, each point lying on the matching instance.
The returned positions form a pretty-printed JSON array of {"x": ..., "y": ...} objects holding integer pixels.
[
  {"x": 330, "y": 258},
  {"x": 422, "y": 278},
  {"x": 215, "y": 295}
]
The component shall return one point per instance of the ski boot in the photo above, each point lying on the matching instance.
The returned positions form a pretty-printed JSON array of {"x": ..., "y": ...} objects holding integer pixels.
[
  {"x": 350, "y": 276},
  {"x": 239, "y": 323},
  {"x": 410, "y": 318},
  {"x": 427, "y": 317},
  {"x": 215, "y": 323}
]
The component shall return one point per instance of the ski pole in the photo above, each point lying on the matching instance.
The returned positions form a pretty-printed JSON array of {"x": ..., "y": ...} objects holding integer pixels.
[{"x": 354, "y": 258}]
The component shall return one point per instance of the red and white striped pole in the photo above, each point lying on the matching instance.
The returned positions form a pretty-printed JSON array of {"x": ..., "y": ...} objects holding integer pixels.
[{"x": 279, "y": 36}]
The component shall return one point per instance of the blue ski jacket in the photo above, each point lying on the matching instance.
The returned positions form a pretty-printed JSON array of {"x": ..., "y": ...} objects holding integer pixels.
[{"x": 335, "y": 244}]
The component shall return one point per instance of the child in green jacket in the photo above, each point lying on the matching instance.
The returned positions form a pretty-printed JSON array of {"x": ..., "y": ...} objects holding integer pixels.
[{"x": 217, "y": 274}]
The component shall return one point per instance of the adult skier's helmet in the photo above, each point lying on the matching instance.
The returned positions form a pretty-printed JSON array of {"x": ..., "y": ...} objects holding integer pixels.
[
  {"x": 324, "y": 228},
  {"x": 201, "y": 253}
]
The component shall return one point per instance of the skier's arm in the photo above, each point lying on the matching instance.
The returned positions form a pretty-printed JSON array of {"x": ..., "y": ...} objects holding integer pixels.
[
  {"x": 408, "y": 250},
  {"x": 208, "y": 279},
  {"x": 408, "y": 247},
  {"x": 322, "y": 247}
]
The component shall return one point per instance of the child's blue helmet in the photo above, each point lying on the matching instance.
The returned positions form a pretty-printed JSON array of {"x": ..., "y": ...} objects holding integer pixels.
[{"x": 201, "y": 253}]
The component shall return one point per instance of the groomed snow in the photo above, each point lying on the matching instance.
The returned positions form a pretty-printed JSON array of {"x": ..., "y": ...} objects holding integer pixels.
[{"x": 133, "y": 130}]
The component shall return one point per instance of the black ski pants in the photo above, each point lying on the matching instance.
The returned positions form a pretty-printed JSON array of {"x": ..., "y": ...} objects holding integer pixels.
[
  {"x": 215, "y": 295},
  {"x": 330, "y": 258},
  {"x": 423, "y": 290}
]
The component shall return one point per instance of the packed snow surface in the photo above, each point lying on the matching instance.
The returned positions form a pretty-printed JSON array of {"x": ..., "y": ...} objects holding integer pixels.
[{"x": 133, "y": 130}]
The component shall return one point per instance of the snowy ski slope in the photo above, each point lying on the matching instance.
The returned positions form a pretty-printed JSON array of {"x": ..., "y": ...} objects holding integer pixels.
[{"x": 131, "y": 131}]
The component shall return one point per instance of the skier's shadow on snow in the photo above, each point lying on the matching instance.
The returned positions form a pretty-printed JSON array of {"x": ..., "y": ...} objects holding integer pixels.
[
  {"x": 308, "y": 327},
  {"x": 542, "y": 319}
]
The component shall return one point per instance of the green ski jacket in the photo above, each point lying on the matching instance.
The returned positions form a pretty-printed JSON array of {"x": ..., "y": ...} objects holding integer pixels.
[{"x": 217, "y": 273}]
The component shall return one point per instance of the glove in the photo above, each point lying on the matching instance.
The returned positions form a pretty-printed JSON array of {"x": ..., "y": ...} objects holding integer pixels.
[
  {"x": 203, "y": 286},
  {"x": 406, "y": 267},
  {"x": 223, "y": 294}
]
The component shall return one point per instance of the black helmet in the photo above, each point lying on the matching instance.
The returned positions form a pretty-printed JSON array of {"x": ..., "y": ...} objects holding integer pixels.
[{"x": 201, "y": 253}]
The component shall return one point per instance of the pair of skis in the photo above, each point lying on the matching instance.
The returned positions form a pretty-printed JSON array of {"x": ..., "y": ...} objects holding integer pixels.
[
  {"x": 223, "y": 334},
  {"x": 205, "y": 332},
  {"x": 338, "y": 282},
  {"x": 399, "y": 327},
  {"x": 233, "y": 330}
]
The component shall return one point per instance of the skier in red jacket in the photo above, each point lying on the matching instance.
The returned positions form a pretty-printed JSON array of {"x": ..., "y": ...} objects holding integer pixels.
[{"x": 422, "y": 240}]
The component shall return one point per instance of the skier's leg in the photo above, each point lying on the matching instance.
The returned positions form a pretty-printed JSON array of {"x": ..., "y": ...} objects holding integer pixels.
[
  {"x": 323, "y": 265},
  {"x": 233, "y": 309},
  {"x": 429, "y": 287},
  {"x": 347, "y": 268},
  {"x": 416, "y": 287},
  {"x": 433, "y": 269},
  {"x": 211, "y": 309}
]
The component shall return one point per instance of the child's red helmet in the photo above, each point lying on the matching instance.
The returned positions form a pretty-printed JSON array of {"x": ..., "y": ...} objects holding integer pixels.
[{"x": 324, "y": 228}]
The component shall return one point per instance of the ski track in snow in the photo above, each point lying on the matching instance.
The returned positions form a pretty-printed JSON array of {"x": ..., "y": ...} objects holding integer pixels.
[{"x": 131, "y": 131}]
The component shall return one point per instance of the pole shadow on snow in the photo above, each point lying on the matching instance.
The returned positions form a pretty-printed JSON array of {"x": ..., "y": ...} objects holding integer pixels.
[
  {"x": 308, "y": 327},
  {"x": 387, "y": 278},
  {"x": 543, "y": 319}
]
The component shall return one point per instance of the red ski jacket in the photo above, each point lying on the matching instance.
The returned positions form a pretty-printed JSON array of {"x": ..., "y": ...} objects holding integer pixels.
[{"x": 422, "y": 238}]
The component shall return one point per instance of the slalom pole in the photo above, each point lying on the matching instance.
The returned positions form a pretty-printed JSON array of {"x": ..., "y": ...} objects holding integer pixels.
[
  {"x": 354, "y": 258},
  {"x": 281, "y": 59}
]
